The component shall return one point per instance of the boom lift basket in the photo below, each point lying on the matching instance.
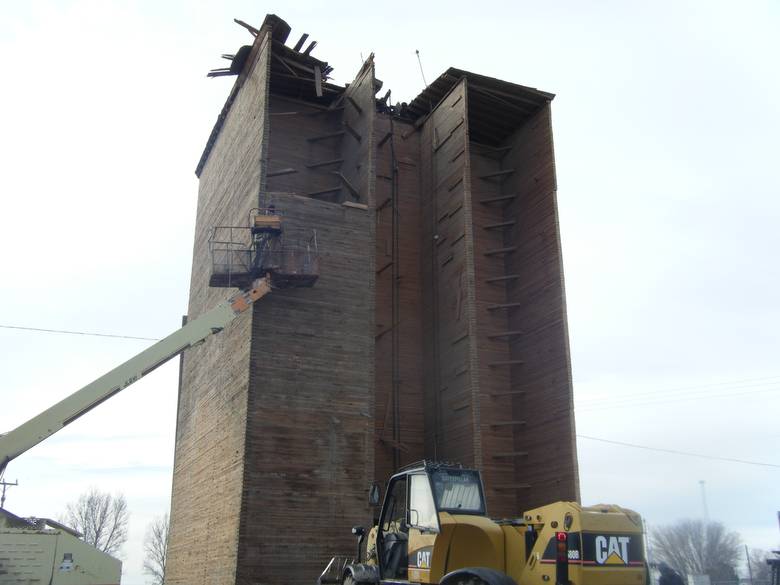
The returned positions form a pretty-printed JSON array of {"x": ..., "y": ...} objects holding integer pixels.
[{"x": 239, "y": 255}]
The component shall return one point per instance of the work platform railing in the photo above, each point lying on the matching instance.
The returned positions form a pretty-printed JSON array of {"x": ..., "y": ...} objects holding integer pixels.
[{"x": 239, "y": 255}]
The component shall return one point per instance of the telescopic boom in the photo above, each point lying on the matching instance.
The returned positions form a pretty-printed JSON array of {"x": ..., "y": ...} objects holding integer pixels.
[{"x": 42, "y": 426}]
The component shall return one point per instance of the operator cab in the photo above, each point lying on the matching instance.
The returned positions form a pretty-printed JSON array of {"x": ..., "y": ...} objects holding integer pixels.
[{"x": 415, "y": 497}]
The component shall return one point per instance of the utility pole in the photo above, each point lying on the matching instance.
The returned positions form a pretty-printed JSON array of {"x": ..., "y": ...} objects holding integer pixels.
[
  {"x": 6, "y": 485},
  {"x": 750, "y": 569},
  {"x": 704, "y": 501}
]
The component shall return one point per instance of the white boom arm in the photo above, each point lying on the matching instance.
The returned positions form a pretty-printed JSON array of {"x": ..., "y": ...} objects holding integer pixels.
[{"x": 51, "y": 420}]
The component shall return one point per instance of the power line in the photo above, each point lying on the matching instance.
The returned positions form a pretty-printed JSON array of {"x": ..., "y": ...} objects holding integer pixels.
[
  {"x": 38, "y": 329},
  {"x": 678, "y": 390},
  {"x": 676, "y": 452},
  {"x": 672, "y": 400}
]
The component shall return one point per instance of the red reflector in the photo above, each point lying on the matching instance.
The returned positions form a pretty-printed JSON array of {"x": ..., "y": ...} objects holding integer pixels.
[{"x": 560, "y": 536}]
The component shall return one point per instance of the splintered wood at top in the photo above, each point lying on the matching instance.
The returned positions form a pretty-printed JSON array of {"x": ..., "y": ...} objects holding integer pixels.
[
  {"x": 318, "y": 81},
  {"x": 300, "y": 42},
  {"x": 284, "y": 64},
  {"x": 248, "y": 27}
]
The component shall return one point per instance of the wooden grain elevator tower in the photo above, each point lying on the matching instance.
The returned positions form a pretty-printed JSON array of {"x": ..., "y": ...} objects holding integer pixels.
[{"x": 437, "y": 328}]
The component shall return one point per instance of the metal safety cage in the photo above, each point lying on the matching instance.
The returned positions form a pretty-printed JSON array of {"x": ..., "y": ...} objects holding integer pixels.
[
  {"x": 293, "y": 260},
  {"x": 232, "y": 257},
  {"x": 239, "y": 255}
]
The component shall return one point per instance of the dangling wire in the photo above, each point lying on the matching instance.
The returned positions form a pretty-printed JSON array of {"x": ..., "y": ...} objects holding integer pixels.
[
  {"x": 396, "y": 305},
  {"x": 419, "y": 62}
]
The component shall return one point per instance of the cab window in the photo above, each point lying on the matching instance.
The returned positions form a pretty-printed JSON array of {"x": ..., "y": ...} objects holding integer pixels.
[
  {"x": 394, "y": 518},
  {"x": 422, "y": 510},
  {"x": 458, "y": 491}
]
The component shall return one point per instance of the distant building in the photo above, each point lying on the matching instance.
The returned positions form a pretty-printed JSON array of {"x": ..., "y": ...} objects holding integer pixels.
[{"x": 40, "y": 550}]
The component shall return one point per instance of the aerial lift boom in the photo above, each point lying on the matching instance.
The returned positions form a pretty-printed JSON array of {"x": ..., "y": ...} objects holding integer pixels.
[{"x": 45, "y": 424}]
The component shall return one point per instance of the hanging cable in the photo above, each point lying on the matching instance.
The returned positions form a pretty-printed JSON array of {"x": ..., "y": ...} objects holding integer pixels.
[
  {"x": 395, "y": 293},
  {"x": 677, "y": 452},
  {"x": 41, "y": 330}
]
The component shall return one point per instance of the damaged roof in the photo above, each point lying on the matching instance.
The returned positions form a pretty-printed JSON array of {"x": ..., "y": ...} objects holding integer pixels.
[
  {"x": 294, "y": 73},
  {"x": 496, "y": 107}
]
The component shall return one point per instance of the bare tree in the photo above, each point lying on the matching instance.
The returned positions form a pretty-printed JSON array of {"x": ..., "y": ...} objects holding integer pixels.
[
  {"x": 695, "y": 547},
  {"x": 155, "y": 549},
  {"x": 102, "y": 519},
  {"x": 758, "y": 566}
]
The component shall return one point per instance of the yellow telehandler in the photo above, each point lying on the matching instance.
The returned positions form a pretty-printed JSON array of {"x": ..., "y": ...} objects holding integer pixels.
[{"x": 433, "y": 528}]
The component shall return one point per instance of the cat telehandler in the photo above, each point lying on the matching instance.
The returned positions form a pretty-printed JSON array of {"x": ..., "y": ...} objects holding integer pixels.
[{"x": 433, "y": 528}]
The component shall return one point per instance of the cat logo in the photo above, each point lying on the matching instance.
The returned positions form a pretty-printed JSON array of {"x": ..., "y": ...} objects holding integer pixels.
[
  {"x": 424, "y": 559},
  {"x": 612, "y": 550}
]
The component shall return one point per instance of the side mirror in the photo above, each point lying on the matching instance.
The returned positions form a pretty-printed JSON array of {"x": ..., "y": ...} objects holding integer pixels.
[
  {"x": 374, "y": 494},
  {"x": 360, "y": 532}
]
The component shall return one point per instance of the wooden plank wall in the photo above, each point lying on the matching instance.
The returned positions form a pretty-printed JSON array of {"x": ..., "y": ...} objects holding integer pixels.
[
  {"x": 494, "y": 336},
  {"x": 450, "y": 428},
  {"x": 358, "y": 149},
  {"x": 547, "y": 404},
  {"x": 398, "y": 147},
  {"x": 211, "y": 420},
  {"x": 309, "y": 442},
  {"x": 296, "y": 144}
]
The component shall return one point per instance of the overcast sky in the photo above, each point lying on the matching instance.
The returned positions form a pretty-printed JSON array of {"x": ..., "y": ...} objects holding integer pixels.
[{"x": 667, "y": 131}]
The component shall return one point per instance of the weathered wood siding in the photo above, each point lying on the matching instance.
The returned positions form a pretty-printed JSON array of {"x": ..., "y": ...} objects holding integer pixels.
[
  {"x": 437, "y": 328},
  {"x": 547, "y": 403},
  {"x": 451, "y": 423},
  {"x": 309, "y": 452},
  {"x": 399, "y": 412},
  {"x": 211, "y": 422},
  {"x": 294, "y": 131}
]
